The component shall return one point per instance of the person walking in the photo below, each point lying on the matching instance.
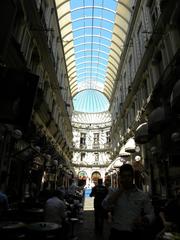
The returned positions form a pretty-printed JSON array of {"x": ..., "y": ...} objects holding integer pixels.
[
  {"x": 99, "y": 192},
  {"x": 131, "y": 207}
]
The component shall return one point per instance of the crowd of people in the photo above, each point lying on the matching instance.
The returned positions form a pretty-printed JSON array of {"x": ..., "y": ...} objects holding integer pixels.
[{"x": 128, "y": 210}]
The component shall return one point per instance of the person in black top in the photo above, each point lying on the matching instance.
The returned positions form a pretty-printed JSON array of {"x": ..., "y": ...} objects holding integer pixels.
[
  {"x": 170, "y": 214},
  {"x": 99, "y": 192}
]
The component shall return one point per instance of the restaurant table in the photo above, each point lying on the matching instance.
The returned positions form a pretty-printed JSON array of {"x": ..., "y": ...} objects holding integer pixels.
[
  {"x": 12, "y": 230},
  {"x": 45, "y": 230}
]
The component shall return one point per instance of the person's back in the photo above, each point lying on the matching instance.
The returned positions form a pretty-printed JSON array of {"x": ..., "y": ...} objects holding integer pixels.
[
  {"x": 99, "y": 192},
  {"x": 55, "y": 209},
  {"x": 108, "y": 185}
]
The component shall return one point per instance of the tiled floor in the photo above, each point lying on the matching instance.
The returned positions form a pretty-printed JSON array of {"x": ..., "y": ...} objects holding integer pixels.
[{"x": 85, "y": 230}]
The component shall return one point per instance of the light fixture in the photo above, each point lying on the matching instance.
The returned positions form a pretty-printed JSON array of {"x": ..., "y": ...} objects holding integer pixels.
[
  {"x": 17, "y": 134},
  {"x": 175, "y": 137},
  {"x": 137, "y": 158},
  {"x": 153, "y": 150},
  {"x": 55, "y": 162},
  {"x": 38, "y": 149}
]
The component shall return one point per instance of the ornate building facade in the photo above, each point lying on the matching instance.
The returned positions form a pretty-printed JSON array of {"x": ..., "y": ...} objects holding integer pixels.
[{"x": 91, "y": 144}]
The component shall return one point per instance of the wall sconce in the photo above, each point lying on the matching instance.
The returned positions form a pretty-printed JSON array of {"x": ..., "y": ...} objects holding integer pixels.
[
  {"x": 175, "y": 137},
  {"x": 48, "y": 157},
  {"x": 48, "y": 160},
  {"x": 60, "y": 166},
  {"x": 153, "y": 150},
  {"x": 55, "y": 162},
  {"x": 37, "y": 148},
  {"x": 37, "y": 163},
  {"x": 137, "y": 158},
  {"x": 17, "y": 134}
]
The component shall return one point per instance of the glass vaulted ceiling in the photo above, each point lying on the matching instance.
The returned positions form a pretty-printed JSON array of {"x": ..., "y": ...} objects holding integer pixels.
[{"x": 93, "y": 35}]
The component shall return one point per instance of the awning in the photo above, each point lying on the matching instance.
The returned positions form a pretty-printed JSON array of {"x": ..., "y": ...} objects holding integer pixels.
[
  {"x": 130, "y": 145},
  {"x": 118, "y": 162},
  {"x": 142, "y": 134},
  {"x": 123, "y": 153}
]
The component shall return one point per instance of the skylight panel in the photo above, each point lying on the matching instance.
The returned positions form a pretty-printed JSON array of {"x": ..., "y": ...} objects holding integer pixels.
[
  {"x": 94, "y": 33},
  {"x": 91, "y": 101}
]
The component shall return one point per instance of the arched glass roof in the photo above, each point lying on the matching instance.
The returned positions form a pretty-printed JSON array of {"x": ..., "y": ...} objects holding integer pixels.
[
  {"x": 93, "y": 34},
  {"x": 91, "y": 101}
]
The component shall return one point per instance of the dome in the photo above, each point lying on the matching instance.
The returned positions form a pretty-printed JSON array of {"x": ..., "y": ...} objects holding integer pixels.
[{"x": 89, "y": 101}]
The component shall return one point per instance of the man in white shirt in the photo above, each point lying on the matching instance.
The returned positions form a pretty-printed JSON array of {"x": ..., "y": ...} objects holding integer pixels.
[
  {"x": 55, "y": 209},
  {"x": 131, "y": 208}
]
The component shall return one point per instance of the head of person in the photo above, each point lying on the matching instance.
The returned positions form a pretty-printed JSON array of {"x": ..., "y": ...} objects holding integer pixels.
[
  {"x": 107, "y": 182},
  {"x": 126, "y": 175},
  {"x": 100, "y": 182}
]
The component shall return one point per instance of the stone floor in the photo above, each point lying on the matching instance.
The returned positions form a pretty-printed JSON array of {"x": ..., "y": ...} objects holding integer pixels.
[{"x": 85, "y": 230}]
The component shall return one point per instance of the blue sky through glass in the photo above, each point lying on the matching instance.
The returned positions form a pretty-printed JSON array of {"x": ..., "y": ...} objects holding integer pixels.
[
  {"x": 91, "y": 101},
  {"x": 92, "y": 23}
]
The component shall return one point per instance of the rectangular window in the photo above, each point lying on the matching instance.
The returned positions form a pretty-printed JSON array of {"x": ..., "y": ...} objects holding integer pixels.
[
  {"x": 96, "y": 138},
  {"x": 96, "y": 158},
  {"x": 83, "y": 157},
  {"x": 83, "y": 139}
]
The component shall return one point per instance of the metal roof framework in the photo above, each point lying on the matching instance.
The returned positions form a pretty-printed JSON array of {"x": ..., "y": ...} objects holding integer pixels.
[{"x": 93, "y": 35}]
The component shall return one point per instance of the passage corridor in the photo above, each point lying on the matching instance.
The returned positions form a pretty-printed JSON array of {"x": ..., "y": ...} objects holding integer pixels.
[{"x": 85, "y": 230}]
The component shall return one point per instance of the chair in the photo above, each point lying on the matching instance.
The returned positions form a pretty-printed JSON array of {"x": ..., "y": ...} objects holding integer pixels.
[{"x": 73, "y": 221}]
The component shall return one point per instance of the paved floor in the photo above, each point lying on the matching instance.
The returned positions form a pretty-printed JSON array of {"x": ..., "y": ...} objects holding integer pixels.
[{"x": 85, "y": 230}]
